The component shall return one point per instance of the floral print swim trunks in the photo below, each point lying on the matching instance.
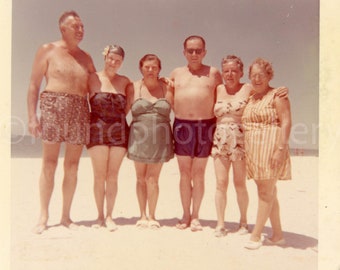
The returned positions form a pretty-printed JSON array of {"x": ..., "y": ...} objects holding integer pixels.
[{"x": 64, "y": 118}]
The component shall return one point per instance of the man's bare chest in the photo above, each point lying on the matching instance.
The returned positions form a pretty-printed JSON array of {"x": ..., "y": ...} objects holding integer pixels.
[{"x": 68, "y": 66}]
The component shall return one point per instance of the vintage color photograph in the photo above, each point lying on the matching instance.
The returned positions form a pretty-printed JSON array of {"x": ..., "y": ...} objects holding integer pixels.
[{"x": 161, "y": 235}]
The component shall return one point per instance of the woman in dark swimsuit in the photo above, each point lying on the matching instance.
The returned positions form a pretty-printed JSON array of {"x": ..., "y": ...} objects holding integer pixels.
[{"x": 109, "y": 131}]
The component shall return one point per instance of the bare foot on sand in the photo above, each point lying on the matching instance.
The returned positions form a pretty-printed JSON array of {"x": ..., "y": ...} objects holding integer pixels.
[
  {"x": 195, "y": 225},
  {"x": 142, "y": 223},
  {"x": 110, "y": 224},
  {"x": 98, "y": 223},
  {"x": 69, "y": 224},
  {"x": 39, "y": 228},
  {"x": 183, "y": 223}
]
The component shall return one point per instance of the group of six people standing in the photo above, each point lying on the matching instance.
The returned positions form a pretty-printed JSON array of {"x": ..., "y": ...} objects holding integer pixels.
[{"x": 244, "y": 126}]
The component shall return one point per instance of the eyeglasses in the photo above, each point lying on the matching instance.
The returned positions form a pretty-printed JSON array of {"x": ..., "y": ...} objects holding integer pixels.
[
  {"x": 258, "y": 75},
  {"x": 197, "y": 51}
]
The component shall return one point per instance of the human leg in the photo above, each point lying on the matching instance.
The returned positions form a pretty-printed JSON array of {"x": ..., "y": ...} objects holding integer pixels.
[
  {"x": 185, "y": 186},
  {"x": 266, "y": 197},
  {"x": 116, "y": 156},
  {"x": 46, "y": 183},
  {"x": 198, "y": 173},
  {"x": 71, "y": 162},
  {"x": 222, "y": 178},
  {"x": 99, "y": 157},
  {"x": 275, "y": 220},
  {"x": 152, "y": 175},
  {"x": 239, "y": 172},
  {"x": 141, "y": 189}
]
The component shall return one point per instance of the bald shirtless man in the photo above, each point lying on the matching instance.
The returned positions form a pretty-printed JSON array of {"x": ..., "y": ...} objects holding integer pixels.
[
  {"x": 194, "y": 99},
  {"x": 64, "y": 111}
]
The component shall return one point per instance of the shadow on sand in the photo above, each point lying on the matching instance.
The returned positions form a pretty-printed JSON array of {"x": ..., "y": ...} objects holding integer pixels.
[{"x": 293, "y": 240}]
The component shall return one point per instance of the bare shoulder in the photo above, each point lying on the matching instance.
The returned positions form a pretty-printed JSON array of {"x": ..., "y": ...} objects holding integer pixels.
[
  {"x": 129, "y": 88},
  {"x": 176, "y": 71},
  {"x": 247, "y": 87},
  {"x": 220, "y": 87},
  {"x": 220, "y": 91},
  {"x": 179, "y": 69},
  {"x": 46, "y": 49},
  {"x": 214, "y": 70},
  {"x": 281, "y": 102},
  {"x": 94, "y": 77},
  {"x": 165, "y": 85},
  {"x": 216, "y": 74},
  {"x": 124, "y": 79}
]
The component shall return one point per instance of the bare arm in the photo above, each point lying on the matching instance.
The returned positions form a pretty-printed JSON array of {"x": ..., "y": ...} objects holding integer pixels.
[
  {"x": 91, "y": 66},
  {"x": 39, "y": 69},
  {"x": 170, "y": 95},
  {"x": 282, "y": 106},
  {"x": 218, "y": 82},
  {"x": 130, "y": 94},
  {"x": 218, "y": 78},
  {"x": 94, "y": 83}
]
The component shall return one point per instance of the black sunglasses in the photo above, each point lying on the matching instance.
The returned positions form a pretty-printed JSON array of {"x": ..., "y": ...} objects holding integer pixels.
[{"x": 197, "y": 51}]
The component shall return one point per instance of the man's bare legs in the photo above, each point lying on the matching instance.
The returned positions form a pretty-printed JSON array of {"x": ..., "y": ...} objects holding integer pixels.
[
  {"x": 71, "y": 162},
  {"x": 46, "y": 183},
  {"x": 185, "y": 188},
  {"x": 192, "y": 171}
]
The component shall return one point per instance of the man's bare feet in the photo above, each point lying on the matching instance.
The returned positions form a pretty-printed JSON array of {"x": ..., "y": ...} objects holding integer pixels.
[{"x": 39, "y": 228}]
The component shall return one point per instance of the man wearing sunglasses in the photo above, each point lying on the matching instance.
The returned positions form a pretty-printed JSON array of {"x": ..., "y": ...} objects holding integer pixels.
[{"x": 194, "y": 98}]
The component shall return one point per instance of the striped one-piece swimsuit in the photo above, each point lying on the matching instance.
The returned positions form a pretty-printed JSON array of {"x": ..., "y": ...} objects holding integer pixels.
[{"x": 262, "y": 137}]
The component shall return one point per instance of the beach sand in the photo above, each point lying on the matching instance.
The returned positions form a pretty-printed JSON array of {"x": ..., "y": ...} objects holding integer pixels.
[{"x": 168, "y": 247}]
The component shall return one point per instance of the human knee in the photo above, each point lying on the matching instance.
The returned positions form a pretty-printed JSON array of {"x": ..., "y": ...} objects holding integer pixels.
[
  {"x": 185, "y": 173},
  {"x": 152, "y": 180},
  {"x": 141, "y": 180},
  {"x": 222, "y": 185},
  {"x": 50, "y": 165},
  {"x": 198, "y": 172},
  {"x": 71, "y": 165},
  {"x": 240, "y": 186},
  {"x": 266, "y": 195}
]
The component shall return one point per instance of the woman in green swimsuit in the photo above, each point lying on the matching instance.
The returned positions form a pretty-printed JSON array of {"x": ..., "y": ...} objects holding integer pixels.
[{"x": 150, "y": 140}]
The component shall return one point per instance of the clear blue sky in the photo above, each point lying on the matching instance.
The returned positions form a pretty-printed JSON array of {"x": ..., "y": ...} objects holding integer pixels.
[{"x": 285, "y": 32}]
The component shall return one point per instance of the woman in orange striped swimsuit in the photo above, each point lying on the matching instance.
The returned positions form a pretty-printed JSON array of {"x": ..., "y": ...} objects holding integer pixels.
[{"x": 267, "y": 123}]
